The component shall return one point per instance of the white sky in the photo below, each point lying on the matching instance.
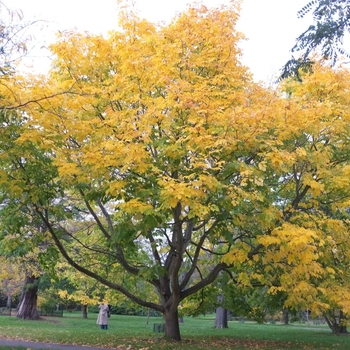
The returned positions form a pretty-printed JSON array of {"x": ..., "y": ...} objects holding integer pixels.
[{"x": 270, "y": 26}]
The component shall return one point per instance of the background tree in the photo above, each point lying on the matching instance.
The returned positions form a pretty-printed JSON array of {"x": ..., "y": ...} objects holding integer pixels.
[
  {"x": 12, "y": 39},
  {"x": 11, "y": 279},
  {"x": 27, "y": 307},
  {"x": 82, "y": 290},
  {"x": 321, "y": 206},
  {"x": 325, "y": 36}
]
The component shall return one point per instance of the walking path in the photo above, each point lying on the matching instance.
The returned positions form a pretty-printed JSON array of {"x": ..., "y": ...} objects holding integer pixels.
[{"x": 34, "y": 345}]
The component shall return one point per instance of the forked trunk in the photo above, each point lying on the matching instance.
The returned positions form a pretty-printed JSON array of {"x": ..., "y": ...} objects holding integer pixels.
[
  {"x": 337, "y": 322},
  {"x": 27, "y": 308},
  {"x": 172, "y": 326}
]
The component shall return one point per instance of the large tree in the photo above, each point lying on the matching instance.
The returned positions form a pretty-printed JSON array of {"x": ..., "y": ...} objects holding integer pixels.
[
  {"x": 131, "y": 159},
  {"x": 155, "y": 163}
]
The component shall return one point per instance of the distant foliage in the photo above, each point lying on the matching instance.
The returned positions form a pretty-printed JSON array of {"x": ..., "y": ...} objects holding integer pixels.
[
  {"x": 12, "y": 38},
  {"x": 331, "y": 23}
]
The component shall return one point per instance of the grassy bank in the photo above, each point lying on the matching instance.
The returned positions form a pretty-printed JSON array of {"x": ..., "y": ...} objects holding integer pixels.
[{"x": 133, "y": 332}]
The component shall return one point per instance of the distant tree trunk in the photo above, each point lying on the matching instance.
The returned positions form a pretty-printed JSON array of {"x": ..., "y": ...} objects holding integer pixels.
[
  {"x": 285, "y": 316},
  {"x": 306, "y": 316},
  {"x": 221, "y": 315},
  {"x": 221, "y": 318},
  {"x": 147, "y": 320},
  {"x": 9, "y": 301},
  {"x": 9, "y": 304},
  {"x": 84, "y": 311},
  {"x": 27, "y": 308}
]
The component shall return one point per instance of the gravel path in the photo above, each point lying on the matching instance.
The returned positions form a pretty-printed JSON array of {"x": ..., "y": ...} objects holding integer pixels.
[{"x": 34, "y": 345}]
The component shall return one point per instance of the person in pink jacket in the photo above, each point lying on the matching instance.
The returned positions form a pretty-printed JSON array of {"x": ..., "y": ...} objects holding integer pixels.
[{"x": 102, "y": 318}]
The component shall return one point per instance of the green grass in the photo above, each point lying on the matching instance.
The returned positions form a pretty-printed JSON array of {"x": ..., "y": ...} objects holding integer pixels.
[{"x": 132, "y": 332}]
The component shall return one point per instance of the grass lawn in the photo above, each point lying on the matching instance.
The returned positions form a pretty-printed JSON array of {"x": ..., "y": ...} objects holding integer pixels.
[{"x": 132, "y": 332}]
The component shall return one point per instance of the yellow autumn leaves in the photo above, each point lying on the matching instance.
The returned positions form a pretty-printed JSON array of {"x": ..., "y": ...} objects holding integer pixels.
[{"x": 166, "y": 121}]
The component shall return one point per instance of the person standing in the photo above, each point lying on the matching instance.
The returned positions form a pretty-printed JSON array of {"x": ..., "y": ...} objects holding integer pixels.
[{"x": 102, "y": 318}]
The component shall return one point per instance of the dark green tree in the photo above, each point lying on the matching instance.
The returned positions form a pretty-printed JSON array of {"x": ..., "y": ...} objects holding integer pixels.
[{"x": 331, "y": 23}]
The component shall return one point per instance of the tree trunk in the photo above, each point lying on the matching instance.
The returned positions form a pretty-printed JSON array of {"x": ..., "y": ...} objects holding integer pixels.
[
  {"x": 172, "y": 327},
  {"x": 84, "y": 311},
  {"x": 147, "y": 320},
  {"x": 343, "y": 330},
  {"x": 306, "y": 313},
  {"x": 221, "y": 315},
  {"x": 9, "y": 302},
  {"x": 221, "y": 318},
  {"x": 337, "y": 323},
  {"x": 27, "y": 308},
  {"x": 285, "y": 316},
  {"x": 342, "y": 323}
]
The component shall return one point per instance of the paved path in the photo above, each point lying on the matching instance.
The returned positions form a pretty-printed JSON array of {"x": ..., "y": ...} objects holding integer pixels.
[{"x": 34, "y": 345}]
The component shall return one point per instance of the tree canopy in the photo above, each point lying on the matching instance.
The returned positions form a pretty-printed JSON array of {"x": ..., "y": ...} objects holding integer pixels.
[{"x": 154, "y": 164}]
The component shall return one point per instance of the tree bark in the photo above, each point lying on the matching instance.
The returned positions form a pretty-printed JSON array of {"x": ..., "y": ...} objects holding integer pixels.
[
  {"x": 27, "y": 308},
  {"x": 221, "y": 315},
  {"x": 337, "y": 324},
  {"x": 84, "y": 311},
  {"x": 9, "y": 302},
  {"x": 147, "y": 320},
  {"x": 285, "y": 316},
  {"x": 221, "y": 318},
  {"x": 342, "y": 323},
  {"x": 172, "y": 326}
]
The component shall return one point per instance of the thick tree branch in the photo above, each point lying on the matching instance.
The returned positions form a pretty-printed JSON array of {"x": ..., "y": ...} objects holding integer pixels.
[
  {"x": 90, "y": 273},
  {"x": 94, "y": 215},
  {"x": 204, "y": 282}
]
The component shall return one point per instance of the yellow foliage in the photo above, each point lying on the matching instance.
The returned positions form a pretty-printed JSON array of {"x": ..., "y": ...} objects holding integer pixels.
[
  {"x": 63, "y": 294},
  {"x": 136, "y": 206},
  {"x": 165, "y": 120}
]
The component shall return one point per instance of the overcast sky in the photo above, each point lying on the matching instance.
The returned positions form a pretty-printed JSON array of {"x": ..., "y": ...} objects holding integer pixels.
[{"x": 270, "y": 26}]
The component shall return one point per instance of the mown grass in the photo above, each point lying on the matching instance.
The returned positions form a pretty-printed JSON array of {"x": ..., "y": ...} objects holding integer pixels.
[{"x": 132, "y": 332}]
